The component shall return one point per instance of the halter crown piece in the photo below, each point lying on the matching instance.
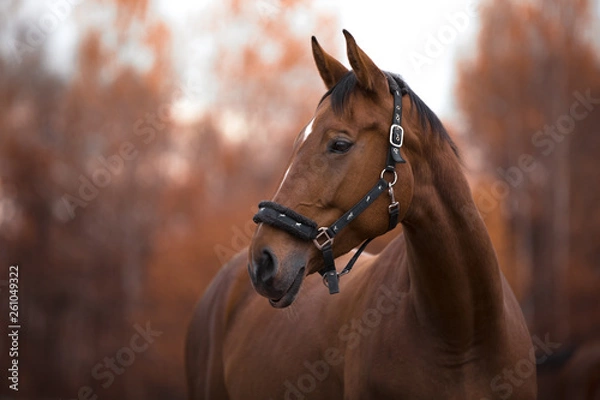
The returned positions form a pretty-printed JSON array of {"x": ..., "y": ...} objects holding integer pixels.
[{"x": 281, "y": 217}]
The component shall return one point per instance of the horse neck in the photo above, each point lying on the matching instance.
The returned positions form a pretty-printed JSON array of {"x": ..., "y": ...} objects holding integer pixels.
[{"x": 452, "y": 265}]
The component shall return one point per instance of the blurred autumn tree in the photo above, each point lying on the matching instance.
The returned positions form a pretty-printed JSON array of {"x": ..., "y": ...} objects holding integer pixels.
[
  {"x": 232, "y": 157},
  {"x": 78, "y": 196},
  {"x": 117, "y": 213},
  {"x": 531, "y": 100}
]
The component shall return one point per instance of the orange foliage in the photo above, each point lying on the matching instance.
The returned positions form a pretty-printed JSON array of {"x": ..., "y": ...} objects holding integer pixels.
[
  {"x": 81, "y": 186},
  {"x": 530, "y": 97},
  {"x": 264, "y": 99},
  {"x": 179, "y": 204}
]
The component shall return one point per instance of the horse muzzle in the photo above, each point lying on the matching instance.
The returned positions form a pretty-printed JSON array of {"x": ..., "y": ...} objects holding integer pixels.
[{"x": 277, "y": 280}]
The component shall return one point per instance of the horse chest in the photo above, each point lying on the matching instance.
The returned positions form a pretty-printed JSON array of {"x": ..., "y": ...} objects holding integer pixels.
[
  {"x": 366, "y": 369},
  {"x": 337, "y": 362}
]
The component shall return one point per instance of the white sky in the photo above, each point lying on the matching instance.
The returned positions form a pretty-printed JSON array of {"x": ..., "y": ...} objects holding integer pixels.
[{"x": 420, "y": 40}]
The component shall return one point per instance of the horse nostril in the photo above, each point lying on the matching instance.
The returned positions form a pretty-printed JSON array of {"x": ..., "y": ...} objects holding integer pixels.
[{"x": 266, "y": 266}]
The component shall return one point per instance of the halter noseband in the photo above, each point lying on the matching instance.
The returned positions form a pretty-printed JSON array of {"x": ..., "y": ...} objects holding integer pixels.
[{"x": 281, "y": 217}]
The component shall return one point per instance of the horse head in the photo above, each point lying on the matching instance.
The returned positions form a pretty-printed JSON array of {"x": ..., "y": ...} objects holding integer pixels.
[{"x": 338, "y": 159}]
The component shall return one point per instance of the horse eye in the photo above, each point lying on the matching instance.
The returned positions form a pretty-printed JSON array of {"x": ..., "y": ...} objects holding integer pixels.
[{"x": 340, "y": 146}]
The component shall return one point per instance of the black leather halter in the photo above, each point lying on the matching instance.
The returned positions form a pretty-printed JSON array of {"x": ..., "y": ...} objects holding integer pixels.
[{"x": 304, "y": 228}]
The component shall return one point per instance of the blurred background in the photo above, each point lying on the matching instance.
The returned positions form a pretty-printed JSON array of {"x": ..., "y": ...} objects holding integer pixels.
[{"x": 137, "y": 136}]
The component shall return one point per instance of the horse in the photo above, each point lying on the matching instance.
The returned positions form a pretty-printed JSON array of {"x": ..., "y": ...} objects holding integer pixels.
[{"x": 430, "y": 316}]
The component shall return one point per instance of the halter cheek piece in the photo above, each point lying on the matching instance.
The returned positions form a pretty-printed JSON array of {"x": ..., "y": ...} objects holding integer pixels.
[{"x": 281, "y": 217}]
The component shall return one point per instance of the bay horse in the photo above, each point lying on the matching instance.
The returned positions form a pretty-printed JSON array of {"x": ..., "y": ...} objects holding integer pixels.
[{"x": 430, "y": 317}]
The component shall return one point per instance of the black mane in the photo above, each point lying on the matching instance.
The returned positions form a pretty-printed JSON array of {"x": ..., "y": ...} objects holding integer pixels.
[{"x": 340, "y": 95}]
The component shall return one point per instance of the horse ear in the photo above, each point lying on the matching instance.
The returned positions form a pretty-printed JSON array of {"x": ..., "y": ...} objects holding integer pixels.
[
  {"x": 369, "y": 76},
  {"x": 330, "y": 69}
]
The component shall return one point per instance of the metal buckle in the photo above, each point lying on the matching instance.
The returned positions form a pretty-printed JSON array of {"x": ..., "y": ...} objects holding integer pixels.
[
  {"x": 327, "y": 239},
  {"x": 396, "y": 138}
]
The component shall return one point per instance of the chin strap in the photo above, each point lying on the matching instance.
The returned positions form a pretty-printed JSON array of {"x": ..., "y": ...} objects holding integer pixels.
[{"x": 286, "y": 219}]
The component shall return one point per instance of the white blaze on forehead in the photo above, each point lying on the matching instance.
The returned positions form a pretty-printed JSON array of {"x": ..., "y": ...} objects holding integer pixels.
[
  {"x": 287, "y": 171},
  {"x": 308, "y": 130}
]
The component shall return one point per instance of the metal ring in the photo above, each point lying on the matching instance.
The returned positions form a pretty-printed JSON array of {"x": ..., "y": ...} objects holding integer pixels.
[
  {"x": 339, "y": 275},
  {"x": 393, "y": 171}
]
